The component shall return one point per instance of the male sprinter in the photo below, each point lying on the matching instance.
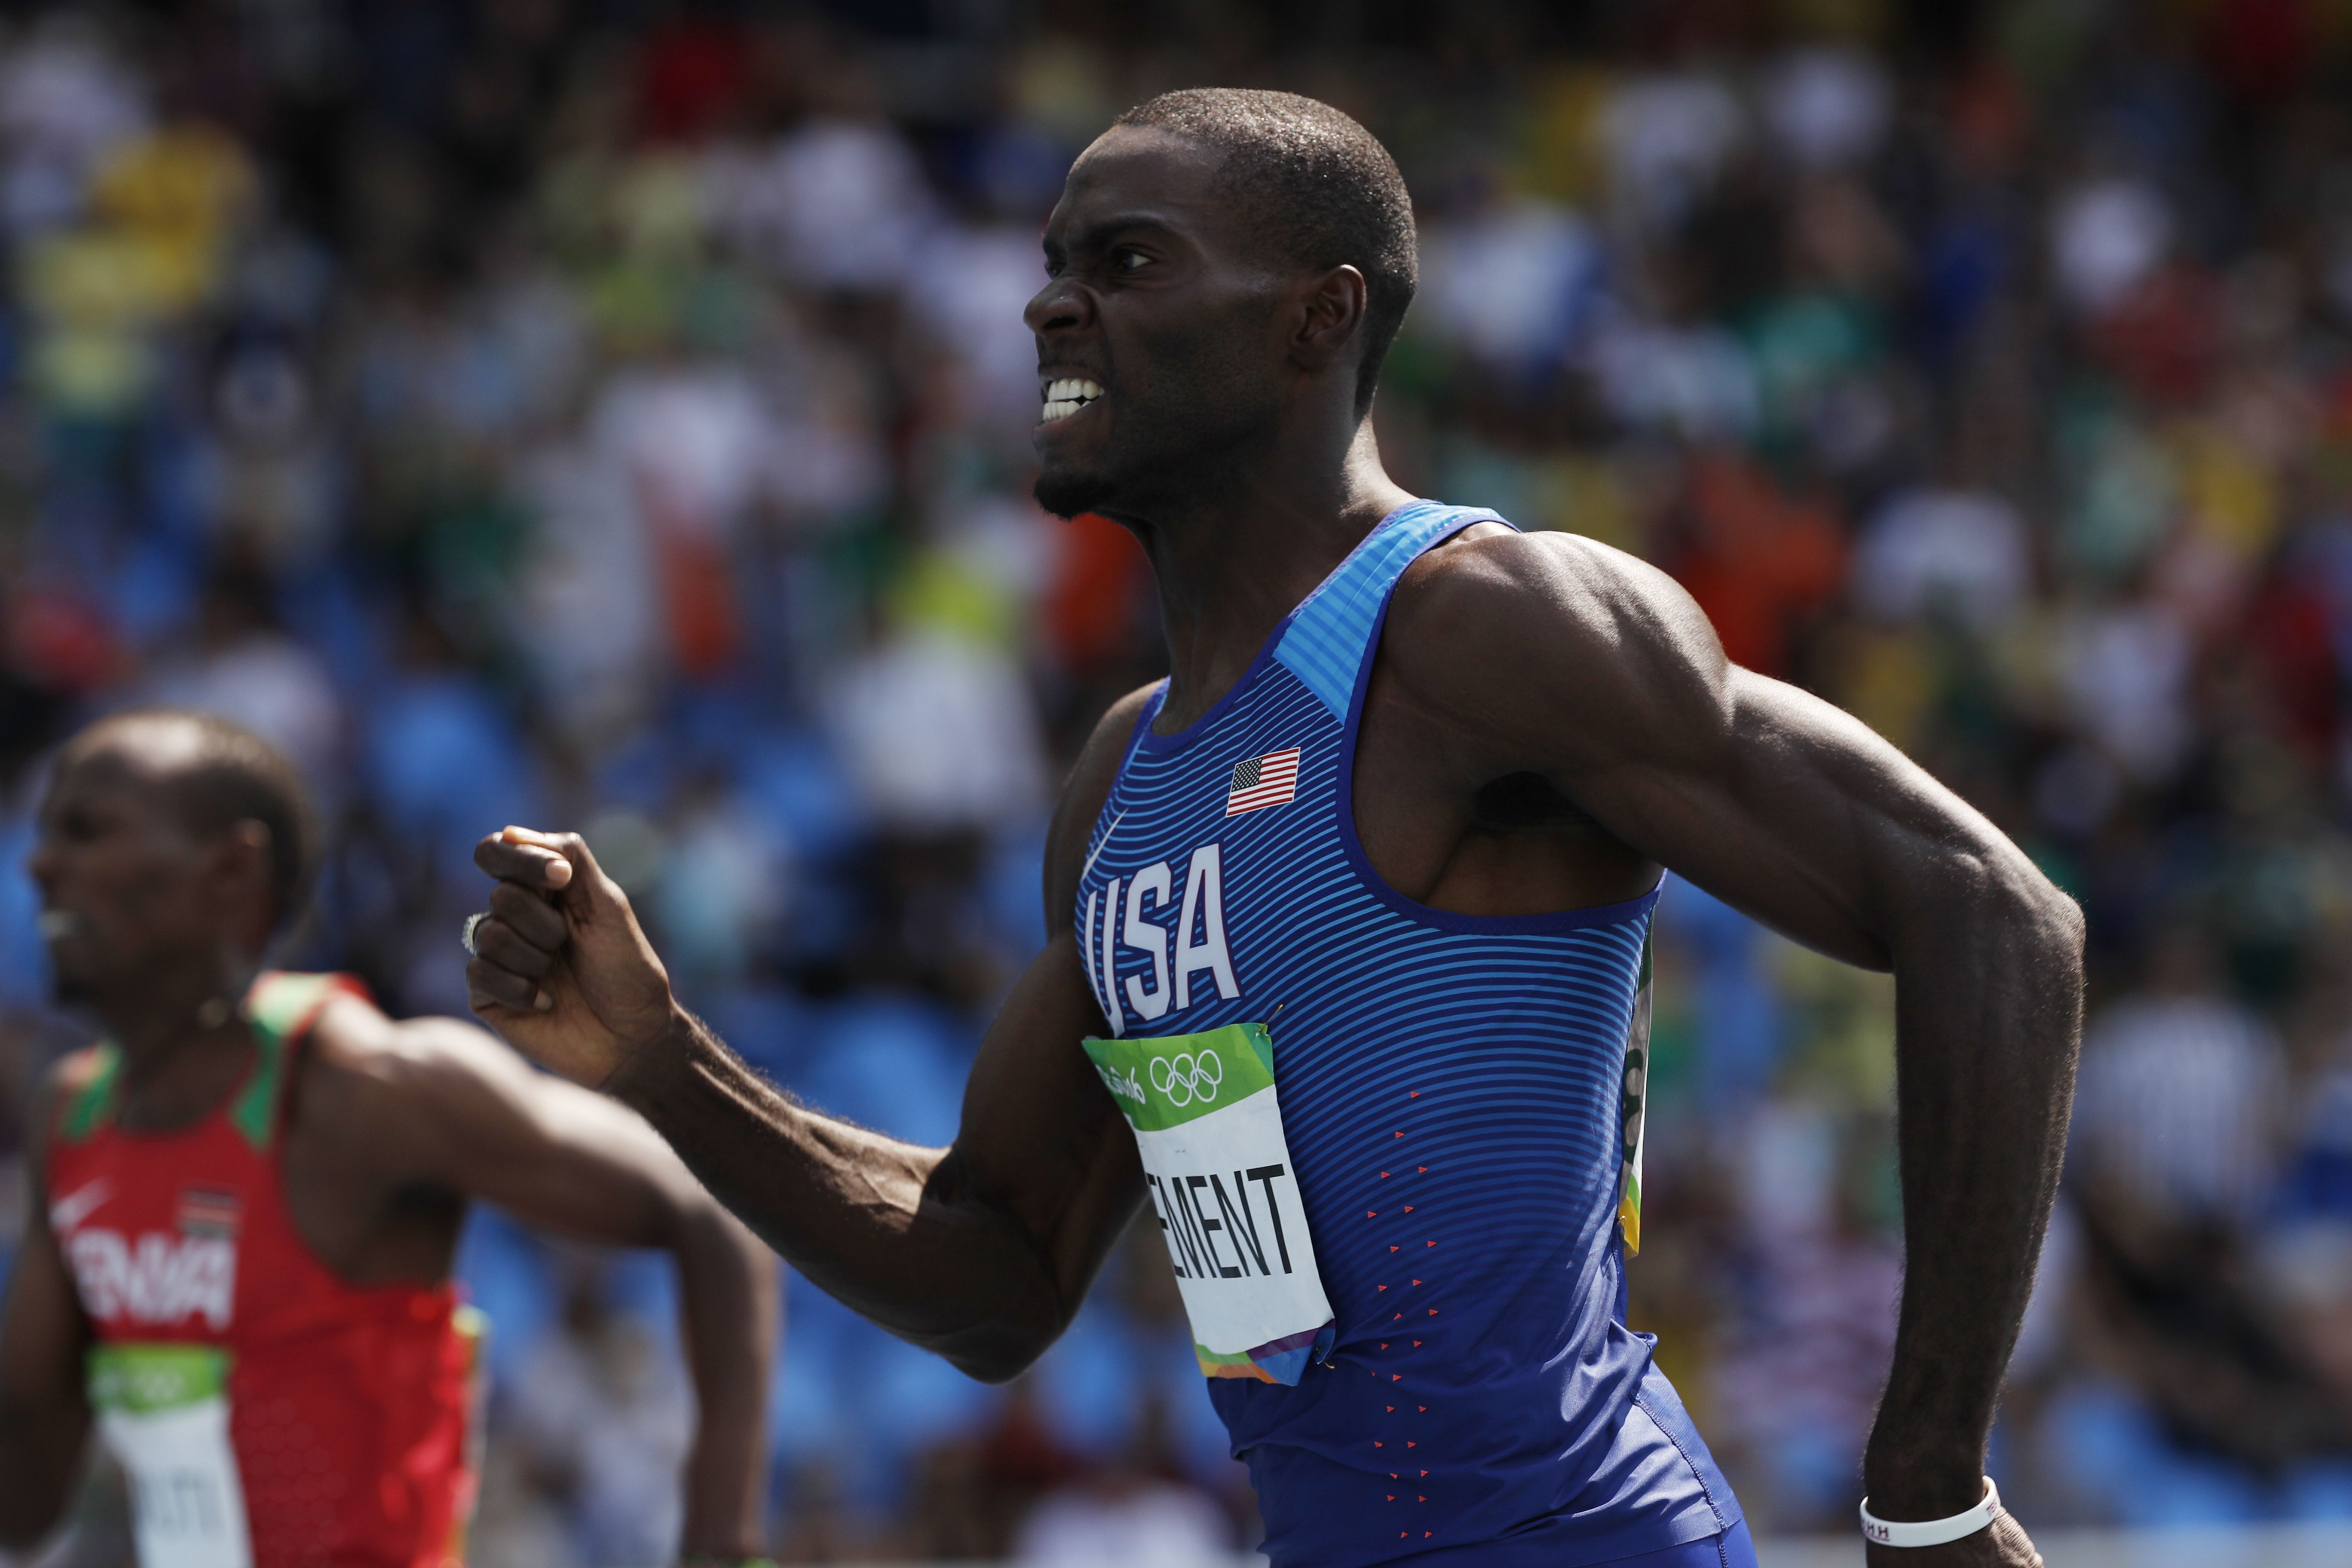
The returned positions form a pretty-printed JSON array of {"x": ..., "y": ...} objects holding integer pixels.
[
  {"x": 1348, "y": 923},
  {"x": 245, "y": 1203}
]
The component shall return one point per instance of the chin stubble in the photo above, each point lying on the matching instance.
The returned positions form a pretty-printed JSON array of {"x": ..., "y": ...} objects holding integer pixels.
[{"x": 1065, "y": 495}]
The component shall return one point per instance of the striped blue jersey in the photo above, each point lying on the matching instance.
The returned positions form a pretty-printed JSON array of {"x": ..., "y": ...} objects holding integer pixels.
[{"x": 1451, "y": 1092}]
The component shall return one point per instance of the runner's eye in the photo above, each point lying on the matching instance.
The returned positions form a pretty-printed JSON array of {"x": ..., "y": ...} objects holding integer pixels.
[{"x": 1126, "y": 258}]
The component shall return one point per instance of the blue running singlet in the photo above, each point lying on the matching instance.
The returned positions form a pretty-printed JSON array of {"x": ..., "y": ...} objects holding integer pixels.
[{"x": 1454, "y": 1097}]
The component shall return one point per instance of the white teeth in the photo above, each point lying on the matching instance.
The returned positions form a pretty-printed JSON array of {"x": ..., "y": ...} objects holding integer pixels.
[
  {"x": 56, "y": 923},
  {"x": 1067, "y": 396}
]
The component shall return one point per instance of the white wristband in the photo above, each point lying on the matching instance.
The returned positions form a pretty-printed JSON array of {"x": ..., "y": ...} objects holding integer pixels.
[{"x": 1930, "y": 1531}]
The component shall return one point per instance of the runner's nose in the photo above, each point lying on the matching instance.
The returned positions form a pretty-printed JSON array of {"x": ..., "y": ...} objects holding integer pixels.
[{"x": 1060, "y": 306}]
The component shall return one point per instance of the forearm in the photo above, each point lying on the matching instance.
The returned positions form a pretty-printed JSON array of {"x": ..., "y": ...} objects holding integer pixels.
[
  {"x": 38, "y": 1460},
  {"x": 45, "y": 1417},
  {"x": 891, "y": 1230},
  {"x": 1987, "y": 1016},
  {"x": 728, "y": 1314}
]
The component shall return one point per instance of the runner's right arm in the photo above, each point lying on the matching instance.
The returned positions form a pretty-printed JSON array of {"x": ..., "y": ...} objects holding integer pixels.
[
  {"x": 44, "y": 1407},
  {"x": 980, "y": 1251}
]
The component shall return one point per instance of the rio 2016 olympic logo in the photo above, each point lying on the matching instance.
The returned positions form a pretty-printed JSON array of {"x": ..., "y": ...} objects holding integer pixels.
[{"x": 1184, "y": 1077}]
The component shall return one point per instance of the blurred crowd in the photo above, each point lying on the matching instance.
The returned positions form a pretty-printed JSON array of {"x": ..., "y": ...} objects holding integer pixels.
[{"x": 614, "y": 413}]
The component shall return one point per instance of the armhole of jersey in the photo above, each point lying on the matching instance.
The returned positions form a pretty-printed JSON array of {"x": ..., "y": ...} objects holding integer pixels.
[
  {"x": 281, "y": 1008},
  {"x": 1351, "y": 714},
  {"x": 90, "y": 1107}
]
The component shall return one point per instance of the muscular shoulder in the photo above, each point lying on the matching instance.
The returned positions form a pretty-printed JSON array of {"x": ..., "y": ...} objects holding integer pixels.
[
  {"x": 1536, "y": 597},
  {"x": 1527, "y": 633},
  {"x": 371, "y": 1081},
  {"x": 1082, "y": 800}
]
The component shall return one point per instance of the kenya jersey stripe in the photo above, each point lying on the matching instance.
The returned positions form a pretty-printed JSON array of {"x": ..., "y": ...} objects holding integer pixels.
[{"x": 1455, "y": 1098}]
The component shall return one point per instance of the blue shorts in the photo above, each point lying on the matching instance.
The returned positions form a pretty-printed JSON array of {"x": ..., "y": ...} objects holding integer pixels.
[{"x": 1732, "y": 1549}]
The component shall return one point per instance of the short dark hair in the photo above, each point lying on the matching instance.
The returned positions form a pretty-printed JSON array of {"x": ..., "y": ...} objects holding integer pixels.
[
  {"x": 237, "y": 776},
  {"x": 1316, "y": 183}
]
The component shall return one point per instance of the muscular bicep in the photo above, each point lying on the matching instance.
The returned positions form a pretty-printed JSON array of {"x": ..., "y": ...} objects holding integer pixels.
[
  {"x": 1602, "y": 673},
  {"x": 471, "y": 1117},
  {"x": 1041, "y": 1140},
  {"x": 1788, "y": 809}
]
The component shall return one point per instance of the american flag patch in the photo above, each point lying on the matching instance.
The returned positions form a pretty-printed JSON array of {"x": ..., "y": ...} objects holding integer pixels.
[
  {"x": 207, "y": 1211},
  {"x": 1261, "y": 781}
]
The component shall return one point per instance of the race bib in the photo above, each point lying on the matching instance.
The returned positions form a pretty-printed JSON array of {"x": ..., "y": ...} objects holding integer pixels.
[
  {"x": 1227, "y": 1197},
  {"x": 163, "y": 1410}
]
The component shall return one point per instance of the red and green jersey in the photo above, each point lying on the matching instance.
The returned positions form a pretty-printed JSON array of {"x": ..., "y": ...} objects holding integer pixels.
[{"x": 268, "y": 1412}]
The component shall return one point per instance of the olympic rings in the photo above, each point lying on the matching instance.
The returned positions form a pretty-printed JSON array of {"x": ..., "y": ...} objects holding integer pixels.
[{"x": 1184, "y": 1077}]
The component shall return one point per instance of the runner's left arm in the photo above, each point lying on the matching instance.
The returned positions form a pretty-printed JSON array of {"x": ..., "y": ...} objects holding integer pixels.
[
  {"x": 44, "y": 1408},
  {"x": 455, "y": 1109},
  {"x": 1553, "y": 654}
]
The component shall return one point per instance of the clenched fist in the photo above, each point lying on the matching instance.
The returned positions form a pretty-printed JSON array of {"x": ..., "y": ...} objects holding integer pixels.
[{"x": 562, "y": 971}]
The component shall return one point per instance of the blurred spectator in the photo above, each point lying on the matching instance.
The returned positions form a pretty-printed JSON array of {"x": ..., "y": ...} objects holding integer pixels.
[
  {"x": 66, "y": 100},
  {"x": 1799, "y": 1381},
  {"x": 835, "y": 204},
  {"x": 1934, "y": 553},
  {"x": 1513, "y": 285},
  {"x": 1828, "y": 107},
  {"x": 938, "y": 734},
  {"x": 2180, "y": 1094},
  {"x": 243, "y": 666},
  {"x": 2176, "y": 1128},
  {"x": 1668, "y": 135},
  {"x": 1132, "y": 1511},
  {"x": 606, "y": 1419},
  {"x": 2106, "y": 236}
]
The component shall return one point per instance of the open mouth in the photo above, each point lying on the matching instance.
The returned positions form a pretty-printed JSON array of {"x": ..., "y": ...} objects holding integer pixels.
[
  {"x": 1067, "y": 396},
  {"x": 59, "y": 924}
]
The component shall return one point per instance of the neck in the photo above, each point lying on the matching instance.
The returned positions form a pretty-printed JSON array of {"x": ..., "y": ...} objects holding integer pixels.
[
  {"x": 1238, "y": 552},
  {"x": 183, "y": 1042}
]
